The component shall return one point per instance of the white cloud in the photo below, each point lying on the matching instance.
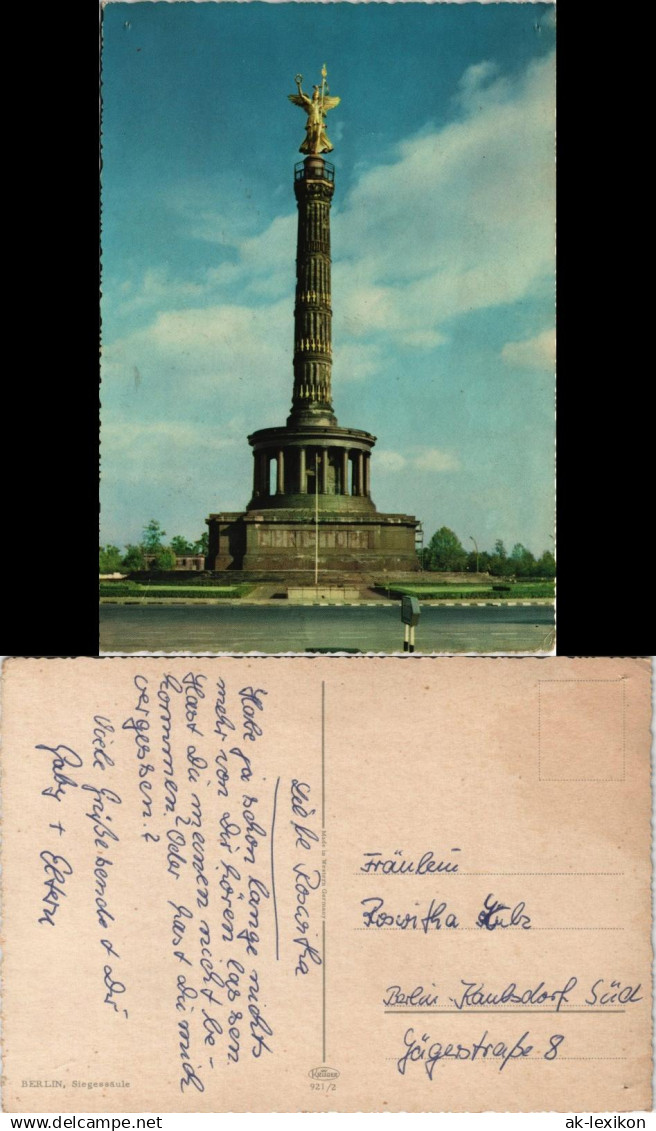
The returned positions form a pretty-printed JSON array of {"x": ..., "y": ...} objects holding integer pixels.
[
  {"x": 389, "y": 461},
  {"x": 124, "y": 435},
  {"x": 263, "y": 271},
  {"x": 426, "y": 459},
  {"x": 424, "y": 339},
  {"x": 156, "y": 289},
  {"x": 171, "y": 451},
  {"x": 473, "y": 82},
  {"x": 432, "y": 459},
  {"x": 355, "y": 361},
  {"x": 196, "y": 353},
  {"x": 218, "y": 209},
  {"x": 337, "y": 131},
  {"x": 534, "y": 353},
  {"x": 461, "y": 221}
]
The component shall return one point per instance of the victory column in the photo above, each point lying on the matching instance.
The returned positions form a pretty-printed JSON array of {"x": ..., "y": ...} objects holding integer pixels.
[{"x": 317, "y": 513}]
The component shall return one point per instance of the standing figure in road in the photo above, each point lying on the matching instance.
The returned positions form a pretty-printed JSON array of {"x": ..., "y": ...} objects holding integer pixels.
[{"x": 316, "y": 108}]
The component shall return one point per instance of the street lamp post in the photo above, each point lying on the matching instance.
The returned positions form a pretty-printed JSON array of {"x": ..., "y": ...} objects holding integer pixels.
[
  {"x": 316, "y": 520},
  {"x": 472, "y": 539}
]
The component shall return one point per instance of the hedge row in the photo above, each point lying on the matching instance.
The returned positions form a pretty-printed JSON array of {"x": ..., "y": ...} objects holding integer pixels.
[
  {"x": 112, "y": 590},
  {"x": 428, "y": 594},
  {"x": 165, "y": 579}
]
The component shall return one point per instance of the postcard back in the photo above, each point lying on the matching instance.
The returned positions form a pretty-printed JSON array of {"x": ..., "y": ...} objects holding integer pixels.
[{"x": 299, "y": 884}]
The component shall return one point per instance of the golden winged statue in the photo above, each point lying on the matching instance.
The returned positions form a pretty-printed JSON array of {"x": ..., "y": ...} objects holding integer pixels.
[{"x": 316, "y": 108}]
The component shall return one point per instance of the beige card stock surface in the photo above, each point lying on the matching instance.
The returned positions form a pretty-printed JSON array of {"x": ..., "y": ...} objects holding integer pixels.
[{"x": 287, "y": 884}]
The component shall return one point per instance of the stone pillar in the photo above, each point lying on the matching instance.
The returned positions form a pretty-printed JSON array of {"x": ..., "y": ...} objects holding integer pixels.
[
  {"x": 324, "y": 471},
  {"x": 302, "y": 474},
  {"x": 345, "y": 472},
  {"x": 360, "y": 477},
  {"x": 367, "y": 474},
  {"x": 280, "y": 472}
]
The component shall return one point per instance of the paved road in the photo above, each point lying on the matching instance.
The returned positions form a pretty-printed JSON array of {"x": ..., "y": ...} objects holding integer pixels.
[{"x": 273, "y": 628}]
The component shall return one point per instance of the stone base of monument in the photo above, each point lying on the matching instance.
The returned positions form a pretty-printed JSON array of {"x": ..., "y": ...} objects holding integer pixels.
[
  {"x": 328, "y": 594},
  {"x": 279, "y": 541}
]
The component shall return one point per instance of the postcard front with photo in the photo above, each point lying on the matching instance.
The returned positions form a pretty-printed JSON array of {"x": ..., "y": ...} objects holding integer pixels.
[{"x": 328, "y": 314}]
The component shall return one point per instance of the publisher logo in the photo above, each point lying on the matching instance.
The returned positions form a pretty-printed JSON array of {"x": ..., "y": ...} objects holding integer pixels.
[{"x": 323, "y": 1073}]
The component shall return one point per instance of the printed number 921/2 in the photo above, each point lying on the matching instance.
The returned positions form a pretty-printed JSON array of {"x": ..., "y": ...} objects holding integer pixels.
[{"x": 325, "y": 1087}]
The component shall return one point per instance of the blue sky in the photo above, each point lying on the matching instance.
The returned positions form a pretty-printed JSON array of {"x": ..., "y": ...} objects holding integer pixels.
[{"x": 443, "y": 254}]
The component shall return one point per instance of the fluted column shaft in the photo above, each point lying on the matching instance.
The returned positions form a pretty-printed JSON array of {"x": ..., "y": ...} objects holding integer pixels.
[
  {"x": 345, "y": 472},
  {"x": 360, "y": 474},
  {"x": 312, "y": 312}
]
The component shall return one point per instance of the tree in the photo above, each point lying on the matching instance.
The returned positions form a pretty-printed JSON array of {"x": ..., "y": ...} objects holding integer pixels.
[
  {"x": 181, "y": 546},
  {"x": 522, "y": 562},
  {"x": 546, "y": 566},
  {"x": 164, "y": 560},
  {"x": 202, "y": 546},
  {"x": 445, "y": 551},
  {"x": 153, "y": 537},
  {"x": 134, "y": 557},
  {"x": 480, "y": 561},
  {"x": 499, "y": 560},
  {"x": 109, "y": 559}
]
